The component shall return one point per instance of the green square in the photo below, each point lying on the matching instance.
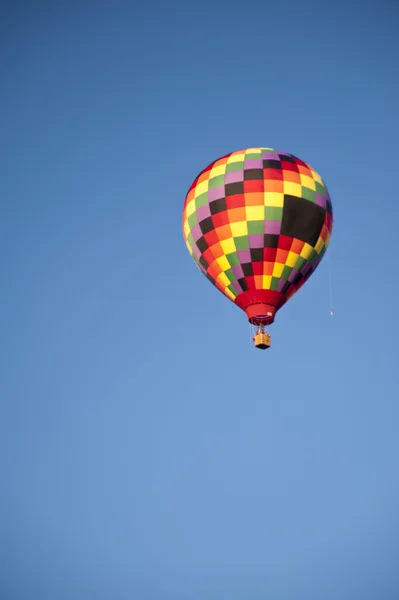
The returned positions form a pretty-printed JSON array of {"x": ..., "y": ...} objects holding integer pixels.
[
  {"x": 192, "y": 220},
  {"x": 308, "y": 194},
  {"x": 232, "y": 289},
  {"x": 274, "y": 283},
  {"x": 267, "y": 150},
  {"x": 300, "y": 263},
  {"x": 235, "y": 166},
  {"x": 233, "y": 259},
  {"x": 274, "y": 213},
  {"x": 230, "y": 275},
  {"x": 286, "y": 272},
  {"x": 253, "y": 156},
  {"x": 313, "y": 256},
  {"x": 216, "y": 182},
  {"x": 190, "y": 240},
  {"x": 201, "y": 200},
  {"x": 241, "y": 242},
  {"x": 321, "y": 189},
  {"x": 256, "y": 227}
]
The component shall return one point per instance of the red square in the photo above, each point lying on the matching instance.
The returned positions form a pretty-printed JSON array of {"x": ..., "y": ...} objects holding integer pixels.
[
  {"x": 211, "y": 238},
  {"x": 220, "y": 219},
  {"x": 250, "y": 282},
  {"x": 257, "y": 268},
  {"x": 269, "y": 254},
  {"x": 254, "y": 185},
  {"x": 272, "y": 174},
  {"x": 285, "y": 242},
  {"x": 236, "y": 201},
  {"x": 208, "y": 256},
  {"x": 289, "y": 166}
]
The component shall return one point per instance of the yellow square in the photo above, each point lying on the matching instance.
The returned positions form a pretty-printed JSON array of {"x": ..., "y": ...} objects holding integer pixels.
[
  {"x": 306, "y": 251},
  {"x": 319, "y": 246},
  {"x": 230, "y": 294},
  {"x": 201, "y": 187},
  {"x": 228, "y": 246},
  {"x": 240, "y": 228},
  {"x": 278, "y": 269},
  {"x": 274, "y": 199},
  {"x": 190, "y": 208},
  {"x": 236, "y": 157},
  {"x": 291, "y": 259},
  {"x": 218, "y": 170},
  {"x": 294, "y": 189},
  {"x": 223, "y": 279},
  {"x": 252, "y": 151},
  {"x": 186, "y": 228},
  {"x": 308, "y": 182},
  {"x": 223, "y": 263},
  {"x": 267, "y": 280},
  {"x": 327, "y": 239},
  {"x": 317, "y": 177},
  {"x": 255, "y": 213}
]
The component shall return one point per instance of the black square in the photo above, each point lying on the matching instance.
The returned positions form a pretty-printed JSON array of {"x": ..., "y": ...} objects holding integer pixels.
[
  {"x": 297, "y": 278},
  {"x": 302, "y": 219},
  {"x": 257, "y": 254},
  {"x": 253, "y": 174},
  {"x": 234, "y": 188},
  {"x": 201, "y": 244},
  {"x": 247, "y": 269},
  {"x": 203, "y": 262},
  {"x": 287, "y": 158},
  {"x": 271, "y": 164},
  {"x": 243, "y": 284},
  {"x": 217, "y": 206},
  {"x": 206, "y": 225},
  {"x": 270, "y": 240}
]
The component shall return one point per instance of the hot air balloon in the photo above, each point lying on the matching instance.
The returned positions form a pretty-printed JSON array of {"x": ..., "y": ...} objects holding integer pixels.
[{"x": 257, "y": 222}]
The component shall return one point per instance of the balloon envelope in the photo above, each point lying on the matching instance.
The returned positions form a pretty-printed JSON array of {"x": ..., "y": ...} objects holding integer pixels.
[{"x": 257, "y": 222}]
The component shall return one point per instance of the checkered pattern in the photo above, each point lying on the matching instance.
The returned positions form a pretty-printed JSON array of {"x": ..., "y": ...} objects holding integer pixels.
[{"x": 257, "y": 219}]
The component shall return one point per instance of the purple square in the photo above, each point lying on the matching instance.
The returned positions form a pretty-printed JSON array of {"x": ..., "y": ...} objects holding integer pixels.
[
  {"x": 203, "y": 212},
  {"x": 320, "y": 200},
  {"x": 253, "y": 163},
  {"x": 238, "y": 272},
  {"x": 270, "y": 156},
  {"x": 216, "y": 193},
  {"x": 196, "y": 232},
  {"x": 256, "y": 240},
  {"x": 281, "y": 284},
  {"x": 197, "y": 252},
  {"x": 244, "y": 256},
  {"x": 273, "y": 227},
  {"x": 234, "y": 176}
]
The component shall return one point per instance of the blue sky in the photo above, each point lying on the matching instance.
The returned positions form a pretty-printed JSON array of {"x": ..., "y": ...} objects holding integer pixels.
[{"x": 149, "y": 451}]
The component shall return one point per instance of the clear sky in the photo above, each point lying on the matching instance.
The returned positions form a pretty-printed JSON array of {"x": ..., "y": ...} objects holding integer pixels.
[{"x": 149, "y": 451}]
